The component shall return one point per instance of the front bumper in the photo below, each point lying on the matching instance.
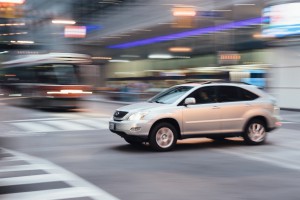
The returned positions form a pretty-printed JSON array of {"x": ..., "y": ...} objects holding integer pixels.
[{"x": 130, "y": 128}]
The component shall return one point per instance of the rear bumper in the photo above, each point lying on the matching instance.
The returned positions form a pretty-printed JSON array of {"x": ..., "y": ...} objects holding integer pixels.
[{"x": 275, "y": 123}]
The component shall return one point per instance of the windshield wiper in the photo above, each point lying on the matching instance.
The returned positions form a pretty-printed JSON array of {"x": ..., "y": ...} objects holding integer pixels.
[
  {"x": 156, "y": 101},
  {"x": 159, "y": 102}
]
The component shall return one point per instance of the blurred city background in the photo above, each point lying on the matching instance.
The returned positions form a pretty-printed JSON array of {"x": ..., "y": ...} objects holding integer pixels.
[
  {"x": 90, "y": 57},
  {"x": 142, "y": 47}
]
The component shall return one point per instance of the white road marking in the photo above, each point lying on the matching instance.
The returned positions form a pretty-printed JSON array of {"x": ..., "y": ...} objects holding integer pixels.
[
  {"x": 46, "y": 125},
  {"x": 96, "y": 115},
  {"x": 24, "y": 168},
  {"x": 33, "y": 120},
  {"x": 92, "y": 123},
  {"x": 79, "y": 187},
  {"x": 65, "y": 193},
  {"x": 68, "y": 125},
  {"x": 257, "y": 157},
  {"x": 34, "y": 127},
  {"x": 43, "y": 178},
  {"x": 9, "y": 159},
  {"x": 289, "y": 122},
  {"x": 21, "y": 134}
]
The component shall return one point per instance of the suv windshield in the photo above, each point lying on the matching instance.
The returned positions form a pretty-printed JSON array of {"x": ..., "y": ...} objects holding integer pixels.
[{"x": 171, "y": 95}]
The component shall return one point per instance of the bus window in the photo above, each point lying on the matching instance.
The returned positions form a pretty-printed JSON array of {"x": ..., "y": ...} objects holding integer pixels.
[
  {"x": 45, "y": 74},
  {"x": 66, "y": 74},
  {"x": 63, "y": 74}
]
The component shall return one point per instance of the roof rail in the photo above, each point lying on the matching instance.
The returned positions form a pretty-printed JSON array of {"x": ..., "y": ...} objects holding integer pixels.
[
  {"x": 200, "y": 82},
  {"x": 240, "y": 82},
  {"x": 207, "y": 82},
  {"x": 220, "y": 81}
]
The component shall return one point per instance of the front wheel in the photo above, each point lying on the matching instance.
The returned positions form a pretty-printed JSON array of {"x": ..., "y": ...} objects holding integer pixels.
[
  {"x": 163, "y": 137},
  {"x": 255, "y": 132}
]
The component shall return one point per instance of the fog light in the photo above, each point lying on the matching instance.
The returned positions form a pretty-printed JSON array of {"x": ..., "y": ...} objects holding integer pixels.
[{"x": 135, "y": 129}]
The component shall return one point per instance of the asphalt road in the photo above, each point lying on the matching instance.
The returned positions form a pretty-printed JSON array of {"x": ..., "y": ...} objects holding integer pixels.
[{"x": 73, "y": 155}]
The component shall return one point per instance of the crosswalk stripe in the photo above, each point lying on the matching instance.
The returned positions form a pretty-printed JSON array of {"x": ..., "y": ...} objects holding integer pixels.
[
  {"x": 77, "y": 187},
  {"x": 34, "y": 127},
  {"x": 34, "y": 120},
  {"x": 32, "y": 179},
  {"x": 24, "y": 168},
  {"x": 9, "y": 159},
  {"x": 21, "y": 134},
  {"x": 37, "y": 126},
  {"x": 92, "y": 123},
  {"x": 68, "y": 125},
  {"x": 65, "y": 193}
]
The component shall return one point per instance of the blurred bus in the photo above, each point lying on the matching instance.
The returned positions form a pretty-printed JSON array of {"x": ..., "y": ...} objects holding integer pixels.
[{"x": 45, "y": 81}]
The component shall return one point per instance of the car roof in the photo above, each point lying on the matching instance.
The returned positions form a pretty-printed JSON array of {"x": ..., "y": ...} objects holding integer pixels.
[{"x": 252, "y": 88}]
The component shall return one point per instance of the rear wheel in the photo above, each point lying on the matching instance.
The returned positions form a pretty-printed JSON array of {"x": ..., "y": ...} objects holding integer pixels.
[
  {"x": 163, "y": 137},
  {"x": 255, "y": 132}
]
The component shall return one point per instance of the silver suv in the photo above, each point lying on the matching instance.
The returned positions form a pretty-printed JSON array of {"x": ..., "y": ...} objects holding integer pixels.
[{"x": 213, "y": 110}]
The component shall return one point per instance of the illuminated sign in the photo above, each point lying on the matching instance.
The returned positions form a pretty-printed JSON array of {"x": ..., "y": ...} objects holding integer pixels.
[
  {"x": 228, "y": 57},
  {"x": 10, "y": 10},
  {"x": 75, "y": 31},
  {"x": 281, "y": 20},
  {"x": 184, "y": 17},
  {"x": 12, "y": 1}
]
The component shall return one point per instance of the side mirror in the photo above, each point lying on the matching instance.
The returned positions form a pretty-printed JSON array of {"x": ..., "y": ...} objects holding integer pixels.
[{"x": 189, "y": 101}]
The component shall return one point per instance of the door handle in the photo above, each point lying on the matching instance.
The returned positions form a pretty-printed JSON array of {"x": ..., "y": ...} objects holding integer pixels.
[{"x": 215, "y": 107}]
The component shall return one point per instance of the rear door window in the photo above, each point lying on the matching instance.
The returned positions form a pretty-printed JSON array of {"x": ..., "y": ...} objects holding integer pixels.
[{"x": 233, "y": 93}]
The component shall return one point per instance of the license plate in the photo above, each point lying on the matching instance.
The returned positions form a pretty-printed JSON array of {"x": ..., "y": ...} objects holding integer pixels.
[{"x": 112, "y": 126}]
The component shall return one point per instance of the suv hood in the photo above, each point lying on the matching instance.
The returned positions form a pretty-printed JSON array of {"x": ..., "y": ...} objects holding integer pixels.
[{"x": 141, "y": 107}]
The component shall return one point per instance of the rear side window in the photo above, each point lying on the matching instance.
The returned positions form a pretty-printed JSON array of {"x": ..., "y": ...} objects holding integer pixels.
[
  {"x": 247, "y": 95},
  {"x": 232, "y": 93}
]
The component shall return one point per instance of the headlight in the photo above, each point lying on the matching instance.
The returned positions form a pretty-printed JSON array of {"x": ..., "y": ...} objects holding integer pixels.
[{"x": 137, "y": 116}]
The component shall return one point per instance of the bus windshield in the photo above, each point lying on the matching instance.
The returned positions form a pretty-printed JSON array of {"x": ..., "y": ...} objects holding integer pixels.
[{"x": 63, "y": 74}]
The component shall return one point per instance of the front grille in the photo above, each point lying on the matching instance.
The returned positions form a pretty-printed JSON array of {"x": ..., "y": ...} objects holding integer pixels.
[{"x": 120, "y": 114}]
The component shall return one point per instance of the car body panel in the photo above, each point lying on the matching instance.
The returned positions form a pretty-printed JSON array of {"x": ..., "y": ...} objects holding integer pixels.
[{"x": 201, "y": 119}]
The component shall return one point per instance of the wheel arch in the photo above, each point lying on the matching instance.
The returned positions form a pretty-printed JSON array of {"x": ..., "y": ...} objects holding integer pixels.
[{"x": 172, "y": 121}]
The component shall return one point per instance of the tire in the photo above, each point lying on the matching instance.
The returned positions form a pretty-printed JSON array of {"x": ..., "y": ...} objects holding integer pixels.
[
  {"x": 163, "y": 137},
  {"x": 255, "y": 132},
  {"x": 133, "y": 142}
]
